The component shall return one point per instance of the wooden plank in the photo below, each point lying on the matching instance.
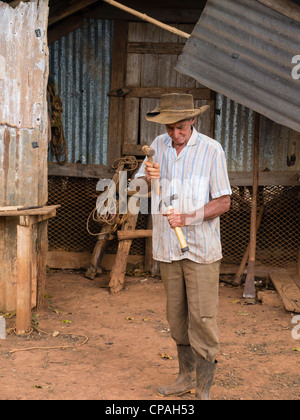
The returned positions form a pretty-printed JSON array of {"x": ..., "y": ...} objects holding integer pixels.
[
  {"x": 46, "y": 210},
  {"x": 133, "y": 74},
  {"x": 155, "y": 92},
  {"x": 116, "y": 114},
  {"x": 133, "y": 234},
  {"x": 265, "y": 178},
  {"x": 80, "y": 170},
  {"x": 155, "y": 48},
  {"x": 60, "y": 259},
  {"x": 288, "y": 291},
  {"x": 131, "y": 121}
]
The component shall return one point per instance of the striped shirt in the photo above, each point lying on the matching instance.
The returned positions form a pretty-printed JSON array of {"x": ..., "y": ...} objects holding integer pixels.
[{"x": 197, "y": 175}]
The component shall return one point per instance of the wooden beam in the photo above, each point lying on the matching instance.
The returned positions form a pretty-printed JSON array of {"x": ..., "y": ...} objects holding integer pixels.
[
  {"x": 64, "y": 28},
  {"x": 244, "y": 179},
  {"x": 146, "y": 18},
  {"x": 203, "y": 94},
  {"x": 69, "y": 10},
  {"x": 200, "y": 94},
  {"x": 77, "y": 260},
  {"x": 154, "y": 48},
  {"x": 79, "y": 170},
  {"x": 134, "y": 234},
  {"x": 167, "y": 14}
]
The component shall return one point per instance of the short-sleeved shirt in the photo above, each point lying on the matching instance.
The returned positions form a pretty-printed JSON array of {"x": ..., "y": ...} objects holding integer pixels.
[{"x": 196, "y": 176}]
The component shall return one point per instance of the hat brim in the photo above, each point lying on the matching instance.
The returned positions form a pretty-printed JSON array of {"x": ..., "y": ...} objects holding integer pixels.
[{"x": 172, "y": 117}]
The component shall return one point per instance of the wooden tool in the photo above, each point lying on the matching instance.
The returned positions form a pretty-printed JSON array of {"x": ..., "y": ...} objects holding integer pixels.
[
  {"x": 168, "y": 203},
  {"x": 10, "y": 208},
  {"x": 238, "y": 279},
  {"x": 149, "y": 152},
  {"x": 249, "y": 288}
]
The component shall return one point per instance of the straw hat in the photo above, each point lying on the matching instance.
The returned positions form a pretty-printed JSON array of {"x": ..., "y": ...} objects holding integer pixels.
[{"x": 175, "y": 107}]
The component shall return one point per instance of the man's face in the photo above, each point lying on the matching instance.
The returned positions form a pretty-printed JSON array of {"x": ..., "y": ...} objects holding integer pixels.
[{"x": 180, "y": 132}]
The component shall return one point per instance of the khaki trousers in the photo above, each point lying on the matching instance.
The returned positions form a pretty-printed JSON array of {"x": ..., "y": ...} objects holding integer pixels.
[{"x": 192, "y": 291}]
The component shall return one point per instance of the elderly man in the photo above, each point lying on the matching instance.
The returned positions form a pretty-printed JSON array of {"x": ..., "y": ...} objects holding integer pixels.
[{"x": 192, "y": 166}]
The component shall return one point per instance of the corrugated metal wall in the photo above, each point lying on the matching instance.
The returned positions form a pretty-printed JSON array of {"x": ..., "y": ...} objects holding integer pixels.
[
  {"x": 234, "y": 130},
  {"x": 80, "y": 66},
  {"x": 245, "y": 50}
]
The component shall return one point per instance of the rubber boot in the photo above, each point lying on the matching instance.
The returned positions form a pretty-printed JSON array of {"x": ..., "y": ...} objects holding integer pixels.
[
  {"x": 186, "y": 380},
  {"x": 205, "y": 372}
]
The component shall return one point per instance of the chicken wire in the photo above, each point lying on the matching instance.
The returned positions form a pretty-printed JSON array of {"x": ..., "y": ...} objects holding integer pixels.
[
  {"x": 277, "y": 239},
  {"x": 68, "y": 230}
]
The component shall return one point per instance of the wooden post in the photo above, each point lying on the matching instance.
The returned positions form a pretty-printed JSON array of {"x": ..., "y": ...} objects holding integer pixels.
[
  {"x": 98, "y": 252},
  {"x": 23, "y": 131},
  {"x": 117, "y": 275},
  {"x": 24, "y": 271},
  {"x": 151, "y": 265},
  {"x": 41, "y": 262},
  {"x": 249, "y": 289}
]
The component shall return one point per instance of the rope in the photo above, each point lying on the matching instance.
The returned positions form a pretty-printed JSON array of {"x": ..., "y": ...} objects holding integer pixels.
[
  {"x": 57, "y": 139},
  {"x": 51, "y": 347},
  {"x": 111, "y": 217}
]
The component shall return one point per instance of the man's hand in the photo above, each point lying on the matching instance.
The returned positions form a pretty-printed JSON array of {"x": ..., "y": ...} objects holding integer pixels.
[
  {"x": 211, "y": 210},
  {"x": 175, "y": 219},
  {"x": 152, "y": 171}
]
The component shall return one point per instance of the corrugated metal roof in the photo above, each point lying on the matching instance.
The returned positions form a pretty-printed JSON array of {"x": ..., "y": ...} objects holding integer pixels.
[
  {"x": 80, "y": 66},
  {"x": 244, "y": 50}
]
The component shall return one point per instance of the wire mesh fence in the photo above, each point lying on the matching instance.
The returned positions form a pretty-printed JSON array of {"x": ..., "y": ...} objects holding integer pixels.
[
  {"x": 69, "y": 230},
  {"x": 277, "y": 240}
]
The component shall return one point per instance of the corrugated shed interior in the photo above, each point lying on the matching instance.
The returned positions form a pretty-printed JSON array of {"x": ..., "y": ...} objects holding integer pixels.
[{"x": 80, "y": 67}]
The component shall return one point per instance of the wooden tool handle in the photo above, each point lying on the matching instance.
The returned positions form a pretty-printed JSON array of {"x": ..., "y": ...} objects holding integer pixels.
[
  {"x": 155, "y": 181},
  {"x": 181, "y": 239},
  {"x": 183, "y": 245}
]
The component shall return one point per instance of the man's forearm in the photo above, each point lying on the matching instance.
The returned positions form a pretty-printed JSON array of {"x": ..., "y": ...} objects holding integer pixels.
[{"x": 211, "y": 210}]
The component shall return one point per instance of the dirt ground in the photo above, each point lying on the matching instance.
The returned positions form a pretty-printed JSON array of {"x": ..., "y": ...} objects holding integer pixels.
[{"x": 129, "y": 352}]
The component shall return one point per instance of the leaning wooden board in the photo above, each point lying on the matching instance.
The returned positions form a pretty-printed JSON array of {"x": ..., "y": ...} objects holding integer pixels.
[
  {"x": 288, "y": 290},
  {"x": 43, "y": 210}
]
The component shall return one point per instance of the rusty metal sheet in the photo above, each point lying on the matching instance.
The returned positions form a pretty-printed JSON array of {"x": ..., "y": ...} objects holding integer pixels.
[
  {"x": 247, "y": 52},
  {"x": 22, "y": 65},
  {"x": 80, "y": 66}
]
